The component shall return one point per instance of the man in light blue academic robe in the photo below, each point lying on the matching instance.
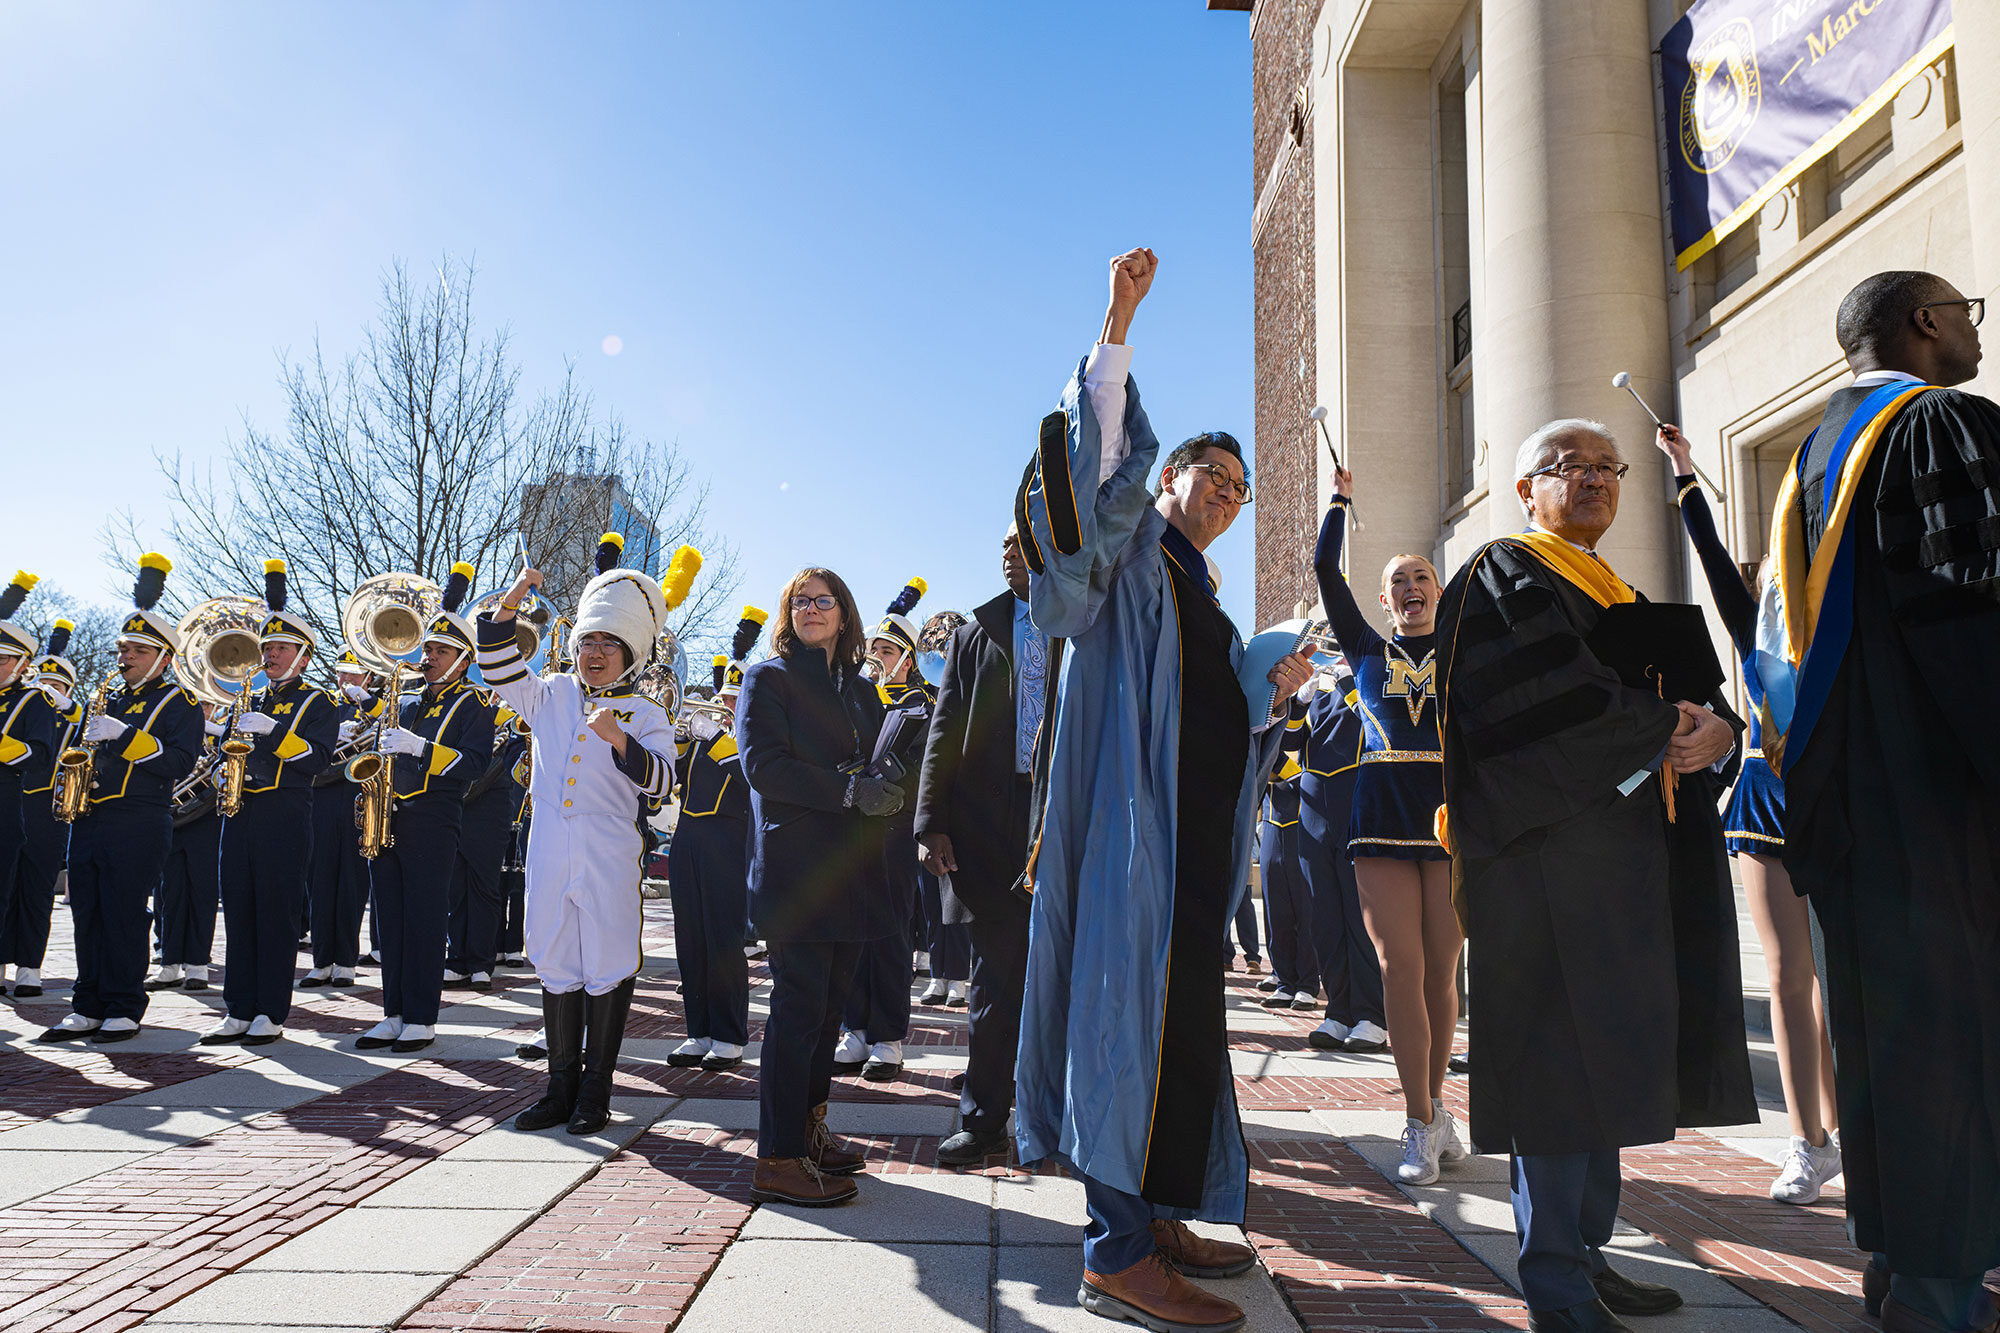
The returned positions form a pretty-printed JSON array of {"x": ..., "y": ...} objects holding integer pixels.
[{"x": 1154, "y": 764}]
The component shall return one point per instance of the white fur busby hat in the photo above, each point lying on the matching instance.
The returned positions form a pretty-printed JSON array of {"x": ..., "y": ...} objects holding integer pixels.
[{"x": 627, "y": 604}]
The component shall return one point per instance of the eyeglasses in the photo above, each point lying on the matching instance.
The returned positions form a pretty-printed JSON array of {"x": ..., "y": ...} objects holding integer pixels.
[
  {"x": 596, "y": 646},
  {"x": 1575, "y": 472},
  {"x": 1975, "y": 307},
  {"x": 1219, "y": 475},
  {"x": 823, "y": 602}
]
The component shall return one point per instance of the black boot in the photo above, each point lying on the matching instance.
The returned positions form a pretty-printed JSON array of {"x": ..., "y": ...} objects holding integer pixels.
[
  {"x": 600, "y": 1058},
  {"x": 562, "y": 1017}
]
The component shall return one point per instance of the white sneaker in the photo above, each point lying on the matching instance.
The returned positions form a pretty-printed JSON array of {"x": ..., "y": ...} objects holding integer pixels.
[
  {"x": 120, "y": 1025},
  {"x": 480, "y": 981},
  {"x": 689, "y": 1053},
  {"x": 885, "y": 1061},
  {"x": 78, "y": 1023},
  {"x": 1452, "y": 1149},
  {"x": 226, "y": 1030},
  {"x": 262, "y": 1030},
  {"x": 722, "y": 1055},
  {"x": 1279, "y": 998},
  {"x": 389, "y": 1029},
  {"x": 28, "y": 976},
  {"x": 1421, "y": 1146},
  {"x": 1367, "y": 1036},
  {"x": 1806, "y": 1169},
  {"x": 343, "y": 975},
  {"x": 317, "y": 976},
  {"x": 960, "y": 996},
  {"x": 199, "y": 972},
  {"x": 170, "y": 974},
  {"x": 933, "y": 993},
  {"x": 851, "y": 1051},
  {"x": 1305, "y": 999},
  {"x": 452, "y": 978}
]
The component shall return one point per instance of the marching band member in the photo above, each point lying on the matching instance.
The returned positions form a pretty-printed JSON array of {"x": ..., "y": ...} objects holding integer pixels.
[
  {"x": 28, "y": 726},
  {"x": 511, "y": 949},
  {"x": 601, "y": 749},
  {"x": 339, "y": 881},
  {"x": 143, "y": 741},
  {"x": 191, "y": 886},
  {"x": 267, "y": 845},
  {"x": 472, "y": 922},
  {"x": 24, "y": 927},
  {"x": 878, "y": 1008},
  {"x": 443, "y": 741},
  {"x": 708, "y": 873},
  {"x": 1287, "y": 906}
]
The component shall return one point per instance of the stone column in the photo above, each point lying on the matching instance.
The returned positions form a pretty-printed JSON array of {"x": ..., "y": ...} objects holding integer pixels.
[{"x": 1575, "y": 269}]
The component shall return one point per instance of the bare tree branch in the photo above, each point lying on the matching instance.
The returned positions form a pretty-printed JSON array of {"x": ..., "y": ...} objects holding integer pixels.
[{"x": 417, "y": 450}]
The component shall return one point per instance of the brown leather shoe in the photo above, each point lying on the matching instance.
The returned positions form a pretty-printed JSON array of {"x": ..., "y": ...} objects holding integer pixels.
[
  {"x": 1198, "y": 1256},
  {"x": 829, "y": 1154},
  {"x": 1151, "y": 1293},
  {"x": 797, "y": 1180}
]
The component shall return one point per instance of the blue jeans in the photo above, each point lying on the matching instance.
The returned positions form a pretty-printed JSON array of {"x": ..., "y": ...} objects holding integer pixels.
[
  {"x": 1120, "y": 1231},
  {"x": 1565, "y": 1205}
]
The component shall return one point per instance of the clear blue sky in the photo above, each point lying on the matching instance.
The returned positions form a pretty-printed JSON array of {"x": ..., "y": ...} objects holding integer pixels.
[{"x": 850, "y": 250}]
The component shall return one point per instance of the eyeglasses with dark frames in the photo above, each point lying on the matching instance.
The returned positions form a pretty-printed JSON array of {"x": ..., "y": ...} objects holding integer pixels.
[
  {"x": 824, "y": 602},
  {"x": 1223, "y": 481},
  {"x": 1575, "y": 472},
  {"x": 1975, "y": 307}
]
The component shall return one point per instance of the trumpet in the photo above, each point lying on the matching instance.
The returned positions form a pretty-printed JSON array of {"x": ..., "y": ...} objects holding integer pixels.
[
  {"x": 74, "y": 766},
  {"x": 713, "y": 710},
  {"x": 375, "y": 771}
]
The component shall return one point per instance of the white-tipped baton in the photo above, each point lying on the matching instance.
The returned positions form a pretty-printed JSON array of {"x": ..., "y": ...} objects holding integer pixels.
[
  {"x": 1318, "y": 417},
  {"x": 1622, "y": 380}
]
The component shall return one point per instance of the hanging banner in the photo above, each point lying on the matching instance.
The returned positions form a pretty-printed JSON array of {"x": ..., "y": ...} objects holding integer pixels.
[{"x": 1756, "y": 91}]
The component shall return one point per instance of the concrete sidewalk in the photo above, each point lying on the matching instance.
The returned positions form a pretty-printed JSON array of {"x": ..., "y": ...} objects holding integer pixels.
[{"x": 302, "y": 1185}]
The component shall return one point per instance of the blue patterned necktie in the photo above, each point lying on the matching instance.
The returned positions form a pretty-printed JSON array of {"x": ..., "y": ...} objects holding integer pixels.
[{"x": 1034, "y": 675}]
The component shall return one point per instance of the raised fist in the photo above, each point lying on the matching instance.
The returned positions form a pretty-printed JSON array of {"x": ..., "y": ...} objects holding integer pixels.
[{"x": 1132, "y": 277}]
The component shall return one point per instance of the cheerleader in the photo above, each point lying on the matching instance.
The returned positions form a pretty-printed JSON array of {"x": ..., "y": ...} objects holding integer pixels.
[
  {"x": 1753, "y": 828},
  {"x": 1403, "y": 872}
]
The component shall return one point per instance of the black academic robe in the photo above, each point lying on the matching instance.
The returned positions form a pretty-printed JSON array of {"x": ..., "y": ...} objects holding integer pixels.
[
  {"x": 1603, "y": 980},
  {"x": 1892, "y": 813}
]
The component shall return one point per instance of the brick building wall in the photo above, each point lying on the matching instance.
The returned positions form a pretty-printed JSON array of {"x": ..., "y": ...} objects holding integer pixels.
[{"x": 1287, "y": 508}]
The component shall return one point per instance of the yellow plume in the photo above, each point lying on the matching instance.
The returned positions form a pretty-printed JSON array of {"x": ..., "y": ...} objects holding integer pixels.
[{"x": 680, "y": 575}]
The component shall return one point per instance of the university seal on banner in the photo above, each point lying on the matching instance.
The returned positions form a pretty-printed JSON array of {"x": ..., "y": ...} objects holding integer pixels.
[{"x": 1722, "y": 96}]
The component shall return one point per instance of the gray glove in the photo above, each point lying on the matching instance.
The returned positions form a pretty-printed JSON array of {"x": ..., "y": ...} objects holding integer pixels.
[{"x": 875, "y": 796}]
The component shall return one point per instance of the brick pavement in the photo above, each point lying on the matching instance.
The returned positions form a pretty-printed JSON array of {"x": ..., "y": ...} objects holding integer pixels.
[{"x": 632, "y": 1243}]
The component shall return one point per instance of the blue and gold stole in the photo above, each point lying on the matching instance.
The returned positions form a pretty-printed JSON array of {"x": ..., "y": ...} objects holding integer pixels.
[{"x": 1806, "y": 615}]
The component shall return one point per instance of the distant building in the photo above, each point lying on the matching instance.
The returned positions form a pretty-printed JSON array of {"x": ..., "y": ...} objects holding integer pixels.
[
  {"x": 1459, "y": 233},
  {"x": 562, "y": 518}
]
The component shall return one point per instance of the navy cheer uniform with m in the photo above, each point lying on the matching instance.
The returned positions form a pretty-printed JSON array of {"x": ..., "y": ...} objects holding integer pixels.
[
  {"x": 118, "y": 850},
  {"x": 413, "y": 875},
  {"x": 1401, "y": 786},
  {"x": 267, "y": 849},
  {"x": 708, "y": 876},
  {"x": 1754, "y": 820}
]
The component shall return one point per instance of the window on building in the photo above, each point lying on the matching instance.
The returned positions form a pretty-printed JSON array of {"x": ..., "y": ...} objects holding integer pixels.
[{"x": 1460, "y": 442}]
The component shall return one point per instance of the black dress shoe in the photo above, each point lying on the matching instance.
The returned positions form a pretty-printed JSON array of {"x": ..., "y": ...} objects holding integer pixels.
[
  {"x": 1622, "y": 1295},
  {"x": 408, "y": 1047},
  {"x": 310, "y": 982},
  {"x": 1590, "y": 1317},
  {"x": 26, "y": 992},
  {"x": 526, "y": 1052},
  {"x": 1459, "y": 1064},
  {"x": 194, "y": 984},
  {"x": 967, "y": 1148},
  {"x": 104, "y": 1038}
]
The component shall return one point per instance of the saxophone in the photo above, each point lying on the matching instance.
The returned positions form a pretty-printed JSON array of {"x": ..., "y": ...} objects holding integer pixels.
[
  {"x": 235, "y": 762},
  {"x": 74, "y": 766},
  {"x": 375, "y": 770}
]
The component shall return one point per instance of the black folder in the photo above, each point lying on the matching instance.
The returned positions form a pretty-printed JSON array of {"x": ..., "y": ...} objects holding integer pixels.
[{"x": 1661, "y": 646}]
